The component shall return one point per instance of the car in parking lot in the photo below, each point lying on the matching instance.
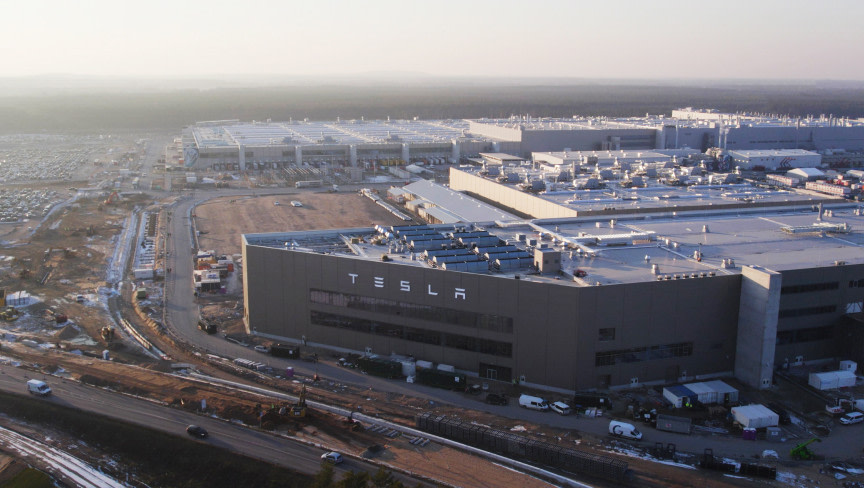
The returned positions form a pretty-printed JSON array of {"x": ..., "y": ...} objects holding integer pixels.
[
  {"x": 332, "y": 457},
  {"x": 197, "y": 431},
  {"x": 852, "y": 418},
  {"x": 295, "y": 203},
  {"x": 560, "y": 408},
  {"x": 496, "y": 399}
]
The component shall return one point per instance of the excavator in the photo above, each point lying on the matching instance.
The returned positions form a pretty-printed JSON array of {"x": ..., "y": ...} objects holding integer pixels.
[
  {"x": 299, "y": 408},
  {"x": 802, "y": 452},
  {"x": 113, "y": 197}
]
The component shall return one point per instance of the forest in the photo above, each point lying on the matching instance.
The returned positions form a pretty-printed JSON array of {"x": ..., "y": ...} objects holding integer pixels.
[{"x": 142, "y": 109}]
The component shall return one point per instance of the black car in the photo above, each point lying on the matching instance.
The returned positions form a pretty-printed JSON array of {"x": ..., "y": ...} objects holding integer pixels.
[
  {"x": 496, "y": 399},
  {"x": 196, "y": 431}
]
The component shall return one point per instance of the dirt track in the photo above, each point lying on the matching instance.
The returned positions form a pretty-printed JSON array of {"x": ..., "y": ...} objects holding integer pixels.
[{"x": 222, "y": 220}]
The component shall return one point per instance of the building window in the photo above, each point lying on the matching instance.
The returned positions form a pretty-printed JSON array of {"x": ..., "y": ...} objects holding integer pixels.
[
  {"x": 856, "y": 283},
  {"x": 607, "y": 334},
  {"x": 805, "y": 335},
  {"x": 639, "y": 354},
  {"x": 800, "y": 312},
  {"x": 810, "y": 287},
  {"x": 374, "y": 327},
  {"x": 491, "y": 322}
]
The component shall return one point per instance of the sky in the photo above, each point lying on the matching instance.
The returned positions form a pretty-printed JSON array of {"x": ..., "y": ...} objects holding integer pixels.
[{"x": 641, "y": 39}]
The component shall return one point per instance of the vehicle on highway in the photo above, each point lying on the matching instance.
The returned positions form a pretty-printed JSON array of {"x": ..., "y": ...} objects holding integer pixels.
[
  {"x": 263, "y": 349},
  {"x": 197, "y": 431},
  {"x": 38, "y": 387},
  {"x": 496, "y": 399},
  {"x": 332, "y": 457}
]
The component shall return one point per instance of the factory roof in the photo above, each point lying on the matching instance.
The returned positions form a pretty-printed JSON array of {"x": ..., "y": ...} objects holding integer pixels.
[
  {"x": 626, "y": 250},
  {"x": 762, "y": 153},
  {"x": 691, "y": 190},
  {"x": 464, "y": 207},
  {"x": 233, "y": 133}
]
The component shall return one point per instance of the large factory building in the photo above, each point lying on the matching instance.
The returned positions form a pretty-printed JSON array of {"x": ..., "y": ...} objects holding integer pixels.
[
  {"x": 235, "y": 145},
  {"x": 575, "y": 303}
]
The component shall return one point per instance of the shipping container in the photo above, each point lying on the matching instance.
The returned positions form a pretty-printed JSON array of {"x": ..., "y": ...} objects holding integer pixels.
[
  {"x": 285, "y": 351},
  {"x": 380, "y": 367},
  {"x": 670, "y": 423},
  {"x": 441, "y": 379}
]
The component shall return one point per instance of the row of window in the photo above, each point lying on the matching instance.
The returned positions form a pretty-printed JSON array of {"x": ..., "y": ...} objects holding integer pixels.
[
  {"x": 807, "y": 288},
  {"x": 805, "y": 335},
  {"x": 495, "y": 323},
  {"x": 374, "y": 327},
  {"x": 800, "y": 312},
  {"x": 856, "y": 283},
  {"x": 639, "y": 354}
]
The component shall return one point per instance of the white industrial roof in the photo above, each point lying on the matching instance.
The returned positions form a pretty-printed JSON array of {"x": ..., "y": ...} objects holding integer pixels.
[
  {"x": 805, "y": 172},
  {"x": 467, "y": 209}
]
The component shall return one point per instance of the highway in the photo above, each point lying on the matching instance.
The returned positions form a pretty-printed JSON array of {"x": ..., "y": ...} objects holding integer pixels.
[{"x": 242, "y": 440}]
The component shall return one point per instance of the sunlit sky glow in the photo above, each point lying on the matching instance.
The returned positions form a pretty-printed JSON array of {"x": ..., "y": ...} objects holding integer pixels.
[{"x": 754, "y": 39}]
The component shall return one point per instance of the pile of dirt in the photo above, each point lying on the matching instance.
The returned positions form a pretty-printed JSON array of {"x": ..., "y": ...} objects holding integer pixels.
[{"x": 67, "y": 333}]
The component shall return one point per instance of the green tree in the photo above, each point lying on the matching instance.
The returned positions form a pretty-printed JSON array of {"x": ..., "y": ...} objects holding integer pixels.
[
  {"x": 354, "y": 480},
  {"x": 324, "y": 478},
  {"x": 384, "y": 479}
]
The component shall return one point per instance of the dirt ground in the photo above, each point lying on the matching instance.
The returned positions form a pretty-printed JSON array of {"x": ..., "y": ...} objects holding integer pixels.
[
  {"x": 448, "y": 465},
  {"x": 222, "y": 220}
]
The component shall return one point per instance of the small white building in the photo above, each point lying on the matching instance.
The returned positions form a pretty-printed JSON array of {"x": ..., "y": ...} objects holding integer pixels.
[{"x": 775, "y": 158}]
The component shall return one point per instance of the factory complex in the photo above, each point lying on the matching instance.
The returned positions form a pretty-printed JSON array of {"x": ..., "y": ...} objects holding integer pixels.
[
  {"x": 234, "y": 145},
  {"x": 577, "y": 269}
]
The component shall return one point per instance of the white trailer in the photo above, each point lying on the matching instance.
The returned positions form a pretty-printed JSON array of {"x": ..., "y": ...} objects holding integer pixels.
[{"x": 755, "y": 416}]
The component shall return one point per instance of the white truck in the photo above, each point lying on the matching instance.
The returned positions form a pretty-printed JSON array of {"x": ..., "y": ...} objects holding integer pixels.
[
  {"x": 623, "y": 429},
  {"x": 38, "y": 387}
]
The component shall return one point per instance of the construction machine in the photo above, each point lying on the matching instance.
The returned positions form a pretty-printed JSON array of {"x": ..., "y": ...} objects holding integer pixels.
[
  {"x": 9, "y": 314},
  {"x": 299, "y": 408},
  {"x": 112, "y": 198},
  {"x": 801, "y": 451}
]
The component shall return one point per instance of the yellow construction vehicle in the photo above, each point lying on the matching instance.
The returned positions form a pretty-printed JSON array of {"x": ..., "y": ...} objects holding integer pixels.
[
  {"x": 9, "y": 314},
  {"x": 299, "y": 409}
]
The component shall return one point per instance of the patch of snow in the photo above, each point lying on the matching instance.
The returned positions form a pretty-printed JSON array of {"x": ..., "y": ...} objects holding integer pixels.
[{"x": 518, "y": 428}]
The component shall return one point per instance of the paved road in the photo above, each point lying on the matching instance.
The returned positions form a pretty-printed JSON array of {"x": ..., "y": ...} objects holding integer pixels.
[{"x": 266, "y": 447}]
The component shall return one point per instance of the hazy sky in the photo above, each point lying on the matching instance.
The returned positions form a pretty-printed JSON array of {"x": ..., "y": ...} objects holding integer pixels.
[{"x": 568, "y": 38}]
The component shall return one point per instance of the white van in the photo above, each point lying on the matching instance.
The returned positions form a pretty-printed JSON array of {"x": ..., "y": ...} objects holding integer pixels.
[
  {"x": 852, "y": 418},
  {"x": 532, "y": 402},
  {"x": 560, "y": 408},
  {"x": 37, "y": 387},
  {"x": 623, "y": 429}
]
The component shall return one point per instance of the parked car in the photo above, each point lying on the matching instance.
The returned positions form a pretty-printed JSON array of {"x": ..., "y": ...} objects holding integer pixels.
[
  {"x": 496, "y": 399},
  {"x": 852, "y": 418},
  {"x": 197, "y": 431},
  {"x": 533, "y": 403},
  {"x": 263, "y": 349},
  {"x": 332, "y": 457},
  {"x": 560, "y": 408}
]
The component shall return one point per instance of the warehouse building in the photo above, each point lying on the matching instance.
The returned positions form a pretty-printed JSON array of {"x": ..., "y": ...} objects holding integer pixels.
[
  {"x": 775, "y": 159},
  {"x": 574, "y": 304},
  {"x": 236, "y": 145}
]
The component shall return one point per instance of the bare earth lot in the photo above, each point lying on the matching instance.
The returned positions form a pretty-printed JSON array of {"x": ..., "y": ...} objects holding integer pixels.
[{"x": 221, "y": 222}]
